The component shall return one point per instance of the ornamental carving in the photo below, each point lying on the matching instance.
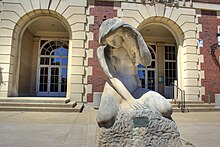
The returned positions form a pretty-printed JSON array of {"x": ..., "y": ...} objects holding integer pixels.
[{"x": 169, "y": 2}]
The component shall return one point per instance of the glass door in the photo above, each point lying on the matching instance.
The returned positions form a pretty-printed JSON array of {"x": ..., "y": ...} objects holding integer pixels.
[
  {"x": 151, "y": 84},
  {"x": 147, "y": 75},
  {"x": 170, "y": 70},
  {"x": 52, "y": 80}
]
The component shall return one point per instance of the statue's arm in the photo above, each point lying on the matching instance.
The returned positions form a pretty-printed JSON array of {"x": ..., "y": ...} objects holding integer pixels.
[{"x": 112, "y": 76}]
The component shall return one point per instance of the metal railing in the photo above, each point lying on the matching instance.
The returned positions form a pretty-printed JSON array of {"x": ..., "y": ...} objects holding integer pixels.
[{"x": 178, "y": 96}]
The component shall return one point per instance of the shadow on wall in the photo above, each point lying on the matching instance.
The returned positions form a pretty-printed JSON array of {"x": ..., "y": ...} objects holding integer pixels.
[{"x": 1, "y": 78}]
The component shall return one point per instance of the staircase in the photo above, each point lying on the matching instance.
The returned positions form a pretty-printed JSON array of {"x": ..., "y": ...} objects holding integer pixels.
[
  {"x": 39, "y": 104},
  {"x": 195, "y": 106}
]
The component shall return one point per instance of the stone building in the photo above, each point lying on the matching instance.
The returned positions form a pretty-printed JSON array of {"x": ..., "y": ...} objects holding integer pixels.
[{"x": 48, "y": 47}]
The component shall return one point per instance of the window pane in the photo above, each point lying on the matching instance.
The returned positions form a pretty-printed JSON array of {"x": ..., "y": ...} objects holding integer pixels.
[
  {"x": 50, "y": 49},
  {"x": 141, "y": 75},
  {"x": 63, "y": 88},
  {"x": 152, "y": 65},
  {"x": 64, "y": 61},
  {"x": 43, "y": 51},
  {"x": 151, "y": 80},
  {"x": 43, "y": 70},
  {"x": 42, "y": 60},
  {"x": 55, "y": 61},
  {"x": 141, "y": 66},
  {"x": 56, "y": 53},
  {"x": 43, "y": 88},
  {"x": 42, "y": 42},
  {"x": 63, "y": 51},
  {"x": 54, "y": 71},
  {"x": 65, "y": 46},
  {"x": 53, "y": 87},
  {"x": 63, "y": 79},
  {"x": 154, "y": 47},
  {"x": 152, "y": 55}
]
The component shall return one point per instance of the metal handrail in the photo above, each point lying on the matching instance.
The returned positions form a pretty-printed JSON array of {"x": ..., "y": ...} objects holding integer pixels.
[{"x": 182, "y": 101}]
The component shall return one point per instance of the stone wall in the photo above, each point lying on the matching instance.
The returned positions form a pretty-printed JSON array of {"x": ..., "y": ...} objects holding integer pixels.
[
  {"x": 17, "y": 15},
  {"x": 26, "y": 64}
]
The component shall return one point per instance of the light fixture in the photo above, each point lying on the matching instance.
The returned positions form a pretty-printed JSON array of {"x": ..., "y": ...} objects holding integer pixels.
[{"x": 52, "y": 26}]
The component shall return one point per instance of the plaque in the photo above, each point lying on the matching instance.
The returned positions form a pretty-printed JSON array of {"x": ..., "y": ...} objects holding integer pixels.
[{"x": 140, "y": 122}]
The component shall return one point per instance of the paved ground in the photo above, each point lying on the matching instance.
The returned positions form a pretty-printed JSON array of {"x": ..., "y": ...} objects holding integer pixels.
[
  {"x": 42, "y": 129},
  {"x": 202, "y": 129}
]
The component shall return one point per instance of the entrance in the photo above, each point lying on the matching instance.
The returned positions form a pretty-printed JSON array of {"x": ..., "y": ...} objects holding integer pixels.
[
  {"x": 148, "y": 75},
  {"x": 52, "y": 74},
  {"x": 162, "y": 72},
  {"x": 170, "y": 72}
]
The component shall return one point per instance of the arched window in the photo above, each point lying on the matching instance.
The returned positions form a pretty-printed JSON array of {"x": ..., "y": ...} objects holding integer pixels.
[{"x": 53, "y": 68}]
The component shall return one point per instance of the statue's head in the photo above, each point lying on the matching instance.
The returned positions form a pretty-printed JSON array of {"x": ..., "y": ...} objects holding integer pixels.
[
  {"x": 107, "y": 28},
  {"x": 116, "y": 33}
]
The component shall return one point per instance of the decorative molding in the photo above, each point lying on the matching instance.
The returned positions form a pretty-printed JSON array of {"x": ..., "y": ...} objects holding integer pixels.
[{"x": 167, "y": 2}]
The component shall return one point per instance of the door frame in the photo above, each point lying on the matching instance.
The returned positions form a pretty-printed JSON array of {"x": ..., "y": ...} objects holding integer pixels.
[
  {"x": 151, "y": 69},
  {"x": 169, "y": 88},
  {"x": 49, "y": 94}
]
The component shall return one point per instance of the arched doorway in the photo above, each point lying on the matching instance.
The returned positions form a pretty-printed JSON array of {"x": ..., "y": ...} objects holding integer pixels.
[
  {"x": 163, "y": 47},
  {"x": 42, "y": 56}
]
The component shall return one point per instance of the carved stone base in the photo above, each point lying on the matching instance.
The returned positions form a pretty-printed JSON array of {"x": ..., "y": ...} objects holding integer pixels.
[{"x": 140, "y": 128}]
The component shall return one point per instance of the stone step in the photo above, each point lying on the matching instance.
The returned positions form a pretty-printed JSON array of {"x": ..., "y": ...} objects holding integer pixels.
[
  {"x": 196, "y": 105},
  {"x": 188, "y": 102},
  {"x": 21, "y": 104},
  {"x": 201, "y": 109},
  {"x": 36, "y": 100},
  {"x": 77, "y": 108},
  {"x": 198, "y": 109}
]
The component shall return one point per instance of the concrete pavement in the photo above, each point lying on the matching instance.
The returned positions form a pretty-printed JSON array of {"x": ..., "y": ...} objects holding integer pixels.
[
  {"x": 48, "y": 129},
  {"x": 202, "y": 129}
]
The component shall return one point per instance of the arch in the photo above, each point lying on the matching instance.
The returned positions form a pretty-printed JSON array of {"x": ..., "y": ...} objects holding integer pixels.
[
  {"x": 177, "y": 40},
  {"x": 21, "y": 26},
  {"x": 167, "y": 23},
  {"x": 32, "y": 16}
]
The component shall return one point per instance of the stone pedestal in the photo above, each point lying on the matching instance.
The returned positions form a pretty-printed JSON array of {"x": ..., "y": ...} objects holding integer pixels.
[
  {"x": 217, "y": 100},
  {"x": 140, "y": 128},
  {"x": 97, "y": 99}
]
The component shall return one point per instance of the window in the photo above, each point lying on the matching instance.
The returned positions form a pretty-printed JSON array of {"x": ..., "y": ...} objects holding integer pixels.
[
  {"x": 53, "y": 67},
  {"x": 147, "y": 75},
  {"x": 170, "y": 65}
]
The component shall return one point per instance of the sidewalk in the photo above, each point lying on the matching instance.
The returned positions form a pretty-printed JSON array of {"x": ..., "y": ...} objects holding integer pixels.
[
  {"x": 48, "y": 129},
  {"x": 202, "y": 129}
]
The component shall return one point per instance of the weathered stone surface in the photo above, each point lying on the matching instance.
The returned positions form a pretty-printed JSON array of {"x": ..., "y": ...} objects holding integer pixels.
[
  {"x": 121, "y": 50},
  {"x": 160, "y": 131}
]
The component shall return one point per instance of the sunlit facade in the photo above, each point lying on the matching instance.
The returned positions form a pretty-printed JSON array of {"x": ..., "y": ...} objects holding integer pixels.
[{"x": 48, "y": 47}]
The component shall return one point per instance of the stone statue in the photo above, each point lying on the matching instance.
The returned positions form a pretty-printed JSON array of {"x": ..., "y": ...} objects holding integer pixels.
[{"x": 121, "y": 49}]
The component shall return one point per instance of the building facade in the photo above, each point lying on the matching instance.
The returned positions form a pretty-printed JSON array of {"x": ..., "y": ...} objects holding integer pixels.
[{"x": 48, "y": 47}]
